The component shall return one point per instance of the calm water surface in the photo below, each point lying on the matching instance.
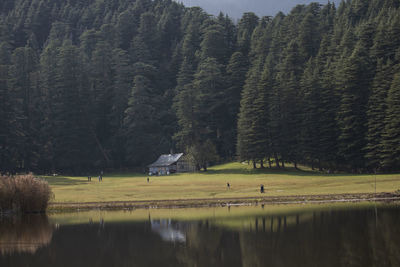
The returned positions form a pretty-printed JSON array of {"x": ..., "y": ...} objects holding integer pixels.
[{"x": 357, "y": 235}]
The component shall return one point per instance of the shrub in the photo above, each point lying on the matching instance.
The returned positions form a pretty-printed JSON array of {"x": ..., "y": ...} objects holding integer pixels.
[{"x": 24, "y": 193}]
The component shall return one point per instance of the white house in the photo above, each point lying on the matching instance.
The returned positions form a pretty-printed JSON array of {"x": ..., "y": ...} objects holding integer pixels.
[{"x": 170, "y": 163}]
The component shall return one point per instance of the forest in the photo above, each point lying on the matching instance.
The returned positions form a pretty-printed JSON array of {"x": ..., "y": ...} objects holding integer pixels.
[{"x": 112, "y": 84}]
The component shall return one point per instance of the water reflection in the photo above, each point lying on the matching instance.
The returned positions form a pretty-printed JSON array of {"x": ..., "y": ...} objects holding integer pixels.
[
  {"x": 367, "y": 237},
  {"x": 169, "y": 231},
  {"x": 24, "y": 234}
]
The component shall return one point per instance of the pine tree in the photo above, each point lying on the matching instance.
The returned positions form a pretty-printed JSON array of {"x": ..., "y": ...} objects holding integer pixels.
[
  {"x": 208, "y": 88},
  {"x": 48, "y": 85},
  {"x": 329, "y": 104},
  {"x": 311, "y": 120},
  {"x": 246, "y": 146},
  {"x": 309, "y": 36},
  {"x": 391, "y": 136},
  {"x": 288, "y": 79},
  {"x": 122, "y": 84},
  {"x": 73, "y": 132},
  {"x": 26, "y": 98},
  {"x": 352, "y": 112},
  {"x": 141, "y": 124},
  {"x": 7, "y": 155},
  {"x": 376, "y": 113},
  {"x": 102, "y": 92},
  {"x": 213, "y": 44},
  {"x": 246, "y": 26},
  {"x": 235, "y": 77}
]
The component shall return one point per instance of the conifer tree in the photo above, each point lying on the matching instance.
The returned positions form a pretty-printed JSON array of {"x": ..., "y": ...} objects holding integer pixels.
[
  {"x": 121, "y": 87},
  {"x": 352, "y": 112},
  {"x": 246, "y": 147},
  {"x": 25, "y": 101},
  {"x": 311, "y": 120},
  {"x": 235, "y": 78},
  {"x": 141, "y": 124},
  {"x": 102, "y": 90},
  {"x": 246, "y": 26},
  {"x": 376, "y": 113},
  {"x": 48, "y": 85},
  {"x": 391, "y": 136},
  {"x": 7, "y": 153},
  {"x": 288, "y": 78},
  {"x": 73, "y": 132}
]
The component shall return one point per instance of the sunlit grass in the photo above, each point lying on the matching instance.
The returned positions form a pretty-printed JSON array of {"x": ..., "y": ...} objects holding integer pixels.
[{"x": 245, "y": 182}]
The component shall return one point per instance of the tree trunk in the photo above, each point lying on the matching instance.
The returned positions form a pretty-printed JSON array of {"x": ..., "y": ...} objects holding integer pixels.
[
  {"x": 295, "y": 165},
  {"x": 101, "y": 148},
  {"x": 262, "y": 164},
  {"x": 283, "y": 163},
  {"x": 277, "y": 160},
  {"x": 269, "y": 162},
  {"x": 254, "y": 164}
]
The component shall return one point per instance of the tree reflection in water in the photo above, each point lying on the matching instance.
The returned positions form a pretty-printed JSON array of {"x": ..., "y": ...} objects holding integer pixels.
[
  {"x": 24, "y": 234},
  {"x": 326, "y": 238}
]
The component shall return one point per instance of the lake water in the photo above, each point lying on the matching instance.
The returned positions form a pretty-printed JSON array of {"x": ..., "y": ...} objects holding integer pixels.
[{"x": 303, "y": 235}]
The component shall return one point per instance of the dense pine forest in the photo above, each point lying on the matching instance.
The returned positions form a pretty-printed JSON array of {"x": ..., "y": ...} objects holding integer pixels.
[{"x": 96, "y": 84}]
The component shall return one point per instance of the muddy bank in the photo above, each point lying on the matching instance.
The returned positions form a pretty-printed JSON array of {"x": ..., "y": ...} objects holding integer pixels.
[{"x": 215, "y": 202}]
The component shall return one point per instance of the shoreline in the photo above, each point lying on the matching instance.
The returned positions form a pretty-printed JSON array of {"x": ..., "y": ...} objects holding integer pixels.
[{"x": 221, "y": 202}]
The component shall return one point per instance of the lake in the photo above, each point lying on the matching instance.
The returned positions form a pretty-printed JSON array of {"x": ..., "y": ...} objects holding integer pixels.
[{"x": 289, "y": 235}]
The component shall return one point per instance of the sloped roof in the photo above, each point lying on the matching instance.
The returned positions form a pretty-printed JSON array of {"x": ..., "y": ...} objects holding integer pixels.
[{"x": 166, "y": 160}]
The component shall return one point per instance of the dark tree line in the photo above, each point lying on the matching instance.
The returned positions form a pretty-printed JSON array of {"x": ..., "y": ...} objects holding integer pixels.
[
  {"x": 114, "y": 83},
  {"x": 322, "y": 86}
]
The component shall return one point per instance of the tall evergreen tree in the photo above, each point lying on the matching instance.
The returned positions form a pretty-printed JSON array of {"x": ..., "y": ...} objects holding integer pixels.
[
  {"x": 376, "y": 113},
  {"x": 352, "y": 113},
  {"x": 235, "y": 77},
  {"x": 141, "y": 124},
  {"x": 246, "y": 27},
  {"x": 7, "y": 155},
  {"x": 26, "y": 99},
  {"x": 288, "y": 78},
  {"x": 73, "y": 132},
  {"x": 391, "y": 136}
]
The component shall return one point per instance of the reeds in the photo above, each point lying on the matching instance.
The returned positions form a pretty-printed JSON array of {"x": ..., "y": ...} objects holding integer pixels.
[
  {"x": 24, "y": 234},
  {"x": 23, "y": 193}
]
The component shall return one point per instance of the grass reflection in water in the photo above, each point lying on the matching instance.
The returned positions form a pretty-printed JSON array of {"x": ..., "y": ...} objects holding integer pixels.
[{"x": 307, "y": 235}]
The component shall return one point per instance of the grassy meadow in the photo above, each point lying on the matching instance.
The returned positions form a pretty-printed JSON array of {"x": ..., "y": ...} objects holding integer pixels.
[{"x": 245, "y": 182}]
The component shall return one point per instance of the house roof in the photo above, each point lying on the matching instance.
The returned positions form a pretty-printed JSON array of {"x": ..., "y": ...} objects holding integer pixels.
[{"x": 166, "y": 160}]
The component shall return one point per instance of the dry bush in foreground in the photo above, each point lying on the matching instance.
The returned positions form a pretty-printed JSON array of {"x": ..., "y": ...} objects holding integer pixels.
[{"x": 23, "y": 193}]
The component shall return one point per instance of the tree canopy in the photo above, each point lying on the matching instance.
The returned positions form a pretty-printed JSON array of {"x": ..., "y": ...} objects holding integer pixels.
[{"x": 88, "y": 85}]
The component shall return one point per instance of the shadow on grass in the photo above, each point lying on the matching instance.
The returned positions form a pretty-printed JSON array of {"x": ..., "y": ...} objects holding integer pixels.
[
  {"x": 278, "y": 171},
  {"x": 65, "y": 181}
]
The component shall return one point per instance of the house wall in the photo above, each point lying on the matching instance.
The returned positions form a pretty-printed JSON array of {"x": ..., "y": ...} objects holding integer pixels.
[{"x": 182, "y": 165}]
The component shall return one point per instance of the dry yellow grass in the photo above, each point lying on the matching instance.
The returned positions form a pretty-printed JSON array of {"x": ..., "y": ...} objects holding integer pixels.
[{"x": 245, "y": 182}]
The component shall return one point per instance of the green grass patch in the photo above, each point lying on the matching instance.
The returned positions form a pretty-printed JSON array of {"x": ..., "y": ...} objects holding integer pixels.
[{"x": 245, "y": 182}]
